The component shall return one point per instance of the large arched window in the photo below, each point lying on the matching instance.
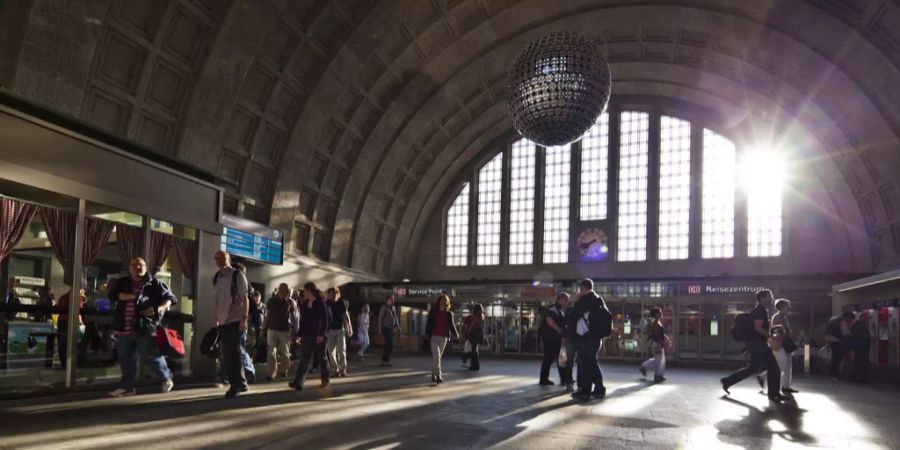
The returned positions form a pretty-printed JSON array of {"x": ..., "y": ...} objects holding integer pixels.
[
  {"x": 646, "y": 185},
  {"x": 458, "y": 229},
  {"x": 490, "y": 178}
]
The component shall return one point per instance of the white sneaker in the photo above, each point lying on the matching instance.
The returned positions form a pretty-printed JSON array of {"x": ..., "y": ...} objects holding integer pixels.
[
  {"x": 121, "y": 393},
  {"x": 167, "y": 385}
]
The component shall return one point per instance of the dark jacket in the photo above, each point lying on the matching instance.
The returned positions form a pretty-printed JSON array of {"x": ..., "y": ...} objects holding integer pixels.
[
  {"x": 590, "y": 303},
  {"x": 432, "y": 317},
  {"x": 560, "y": 316},
  {"x": 314, "y": 320},
  {"x": 153, "y": 294}
]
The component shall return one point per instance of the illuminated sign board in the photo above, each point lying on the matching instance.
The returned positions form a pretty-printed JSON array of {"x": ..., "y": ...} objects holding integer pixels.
[
  {"x": 697, "y": 289},
  {"x": 251, "y": 240},
  {"x": 419, "y": 291}
]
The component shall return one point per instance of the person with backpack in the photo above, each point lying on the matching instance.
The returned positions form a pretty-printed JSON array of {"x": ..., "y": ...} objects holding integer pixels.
[
  {"x": 657, "y": 342},
  {"x": 589, "y": 323},
  {"x": 314, "y": 321},
  {"x": 338, "y": 331},
  {"x": 141, "y": 301},
  {"x": 752, "y": 328},
  {"x": 837, "y": 333},
  {"x": 277, "y": 332},
  {"x": 232, "y": 314},
  {"x": 552, "y": 331},
  {"x": 475, "y": 335}
]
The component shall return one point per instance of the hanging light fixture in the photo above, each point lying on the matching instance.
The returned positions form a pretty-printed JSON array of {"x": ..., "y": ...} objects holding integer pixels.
[{"x": 558, "y": 86}]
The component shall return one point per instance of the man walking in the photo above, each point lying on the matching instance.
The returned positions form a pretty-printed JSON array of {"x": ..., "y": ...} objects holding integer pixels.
[
  {"x": 277, "y": 332},
  {"x": 141, "y": 301},
  {"x": 589, "y": 322},
  {"x": 232, "y": 306},
  {"x": 338, "y": 331},
  {"x": 761, "y": 357}
]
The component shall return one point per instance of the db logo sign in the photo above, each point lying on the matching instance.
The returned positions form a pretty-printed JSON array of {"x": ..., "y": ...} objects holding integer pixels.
[
  {"x": 401, "y": 292},
  {"x": 693, "y": 289}
]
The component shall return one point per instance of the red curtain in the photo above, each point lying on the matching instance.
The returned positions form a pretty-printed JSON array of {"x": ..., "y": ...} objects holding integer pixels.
[
  {"x": 186, "y": 250},
  {"x": 14, "y": 218},
  {"x": 159, "y": 249},
  {"x": 131, "y": 242},
  {"x": 60, "y": 227}
]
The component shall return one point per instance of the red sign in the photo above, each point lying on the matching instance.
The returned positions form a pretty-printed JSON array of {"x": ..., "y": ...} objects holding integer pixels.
[{"x": 694, "y": 289}]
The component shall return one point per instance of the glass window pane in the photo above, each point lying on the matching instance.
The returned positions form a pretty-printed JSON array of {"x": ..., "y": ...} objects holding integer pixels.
[
  {"x": 674, "y": 187},
  {"x": 633, "y": 174},
  {"x": 458, "y": 229},
  {"x": 557, "y": 180},
  {"x": 490, "y": 178},
  {"x": 594, "y": 170},
  {"x": 764, "y": 209},
  {"x": 521, "y": 223},
  {"x": 718, "y": 196}
]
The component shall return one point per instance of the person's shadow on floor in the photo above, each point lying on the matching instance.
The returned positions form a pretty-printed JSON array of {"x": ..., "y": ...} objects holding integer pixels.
[{"x": 756, "y": 424}]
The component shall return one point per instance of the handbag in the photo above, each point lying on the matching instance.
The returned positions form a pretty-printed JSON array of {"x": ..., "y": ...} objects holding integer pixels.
[
  {"x": 563, "y": 357},
  {"x": 426, "y": 345},
  {"x": 789, "y": 345},
  {"x": 825, "y": 352},
  {"x": 169, "y": 342}
]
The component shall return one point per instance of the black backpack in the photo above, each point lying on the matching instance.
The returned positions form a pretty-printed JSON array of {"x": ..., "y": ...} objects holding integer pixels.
[
  {"x": 209, "y": 345},
  {"x": 743, "y": 327},
  {"x": 602, "y": 322}
]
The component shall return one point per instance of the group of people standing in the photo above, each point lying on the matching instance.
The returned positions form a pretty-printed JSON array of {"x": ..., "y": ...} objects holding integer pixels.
[{"x": 576, "y": 332}]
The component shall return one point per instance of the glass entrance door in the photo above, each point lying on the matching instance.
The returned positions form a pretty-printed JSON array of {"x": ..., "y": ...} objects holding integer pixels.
[{"x": 688, "y": 337}]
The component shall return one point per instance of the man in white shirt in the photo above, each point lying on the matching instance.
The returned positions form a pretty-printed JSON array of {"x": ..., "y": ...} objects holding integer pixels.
[{"x": 232, "y": 305}]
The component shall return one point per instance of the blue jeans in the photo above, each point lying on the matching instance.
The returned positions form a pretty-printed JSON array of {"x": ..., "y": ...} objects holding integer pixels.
[
  {"x": 129, "y": 347},
  {"x": 231, "y": 340},
  {"x": 246, "y": 362}
]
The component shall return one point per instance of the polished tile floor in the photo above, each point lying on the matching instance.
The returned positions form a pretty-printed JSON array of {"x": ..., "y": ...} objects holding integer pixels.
[{"x": 501, "y": 407}]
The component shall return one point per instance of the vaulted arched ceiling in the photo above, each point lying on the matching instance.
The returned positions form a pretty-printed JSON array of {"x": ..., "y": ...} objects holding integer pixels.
[{"x": 345, "y": 122}]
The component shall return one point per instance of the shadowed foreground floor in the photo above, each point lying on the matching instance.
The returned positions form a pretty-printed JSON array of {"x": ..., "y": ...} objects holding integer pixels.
[{"x": 502, "y": 407}]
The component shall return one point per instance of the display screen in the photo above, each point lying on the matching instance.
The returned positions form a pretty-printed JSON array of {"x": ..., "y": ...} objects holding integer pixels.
[{"x": 251, "y": 240}]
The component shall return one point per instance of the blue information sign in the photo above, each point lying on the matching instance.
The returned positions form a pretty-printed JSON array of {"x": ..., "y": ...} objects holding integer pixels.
[{"x": 251, "y": 240}]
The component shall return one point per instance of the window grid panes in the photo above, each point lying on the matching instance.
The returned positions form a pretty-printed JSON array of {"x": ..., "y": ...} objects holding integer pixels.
[
  {"x": 674, "y": 188},
  {"x": 633, "y": 174},
  {"x": 557, "y": 180},
  {"x": 595, "y": 170},
  {"x": 490, "y": 179},
  {"x": 458, "y": 229},
  {"x": 718, "y": 196},
  {"x": 521, "y": 208},
  {"x": 764, "y": 225}
]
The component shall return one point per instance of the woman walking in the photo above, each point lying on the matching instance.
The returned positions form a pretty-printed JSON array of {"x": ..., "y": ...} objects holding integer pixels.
[
  {"x": 782, "y": 352},
  {"x": 657, "y": 341},
  {"x": 362, "y": 332},
  {"x": 387, "y": 320},
  {"x": 438, "y": 330},
  {"x": 474, "y": 335}
]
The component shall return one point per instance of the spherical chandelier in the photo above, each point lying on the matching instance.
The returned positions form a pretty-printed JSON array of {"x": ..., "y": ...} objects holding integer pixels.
[{"x": 558, "y": 86}]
